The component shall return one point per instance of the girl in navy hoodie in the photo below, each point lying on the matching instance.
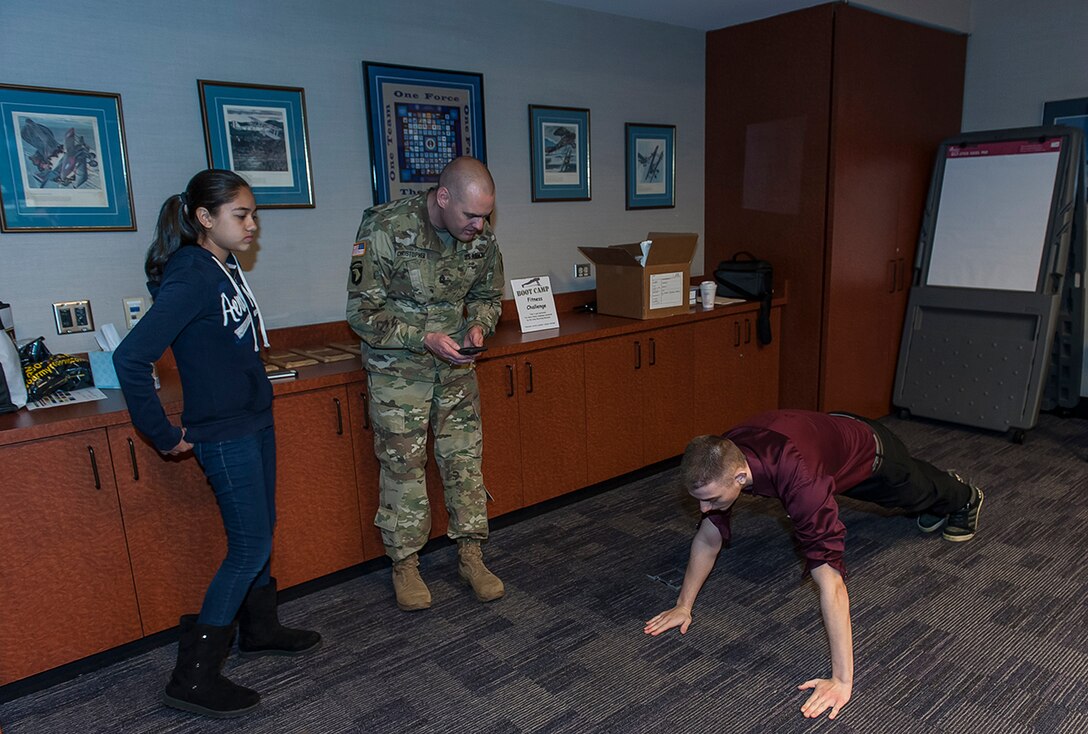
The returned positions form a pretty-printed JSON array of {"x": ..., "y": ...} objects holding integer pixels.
[{"x": 204, "y": 310}]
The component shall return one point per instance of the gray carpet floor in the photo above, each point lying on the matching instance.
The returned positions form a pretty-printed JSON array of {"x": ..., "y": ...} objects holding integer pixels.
[{"x": 989, "y": 636}]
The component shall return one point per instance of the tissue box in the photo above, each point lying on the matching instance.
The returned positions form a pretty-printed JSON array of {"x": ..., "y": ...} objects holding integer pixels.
[{"x": 105, "y": 376}]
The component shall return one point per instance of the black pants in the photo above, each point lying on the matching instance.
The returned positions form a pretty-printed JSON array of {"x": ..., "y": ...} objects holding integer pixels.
[{"x": 901, "y": 481}]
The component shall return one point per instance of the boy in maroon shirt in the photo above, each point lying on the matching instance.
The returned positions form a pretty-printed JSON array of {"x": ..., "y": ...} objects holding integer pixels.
[{"x": 805, "y": 459}]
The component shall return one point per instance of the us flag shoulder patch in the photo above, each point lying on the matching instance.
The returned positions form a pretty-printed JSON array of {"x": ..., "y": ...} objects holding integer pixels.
[{"x": 359, "y": 248}]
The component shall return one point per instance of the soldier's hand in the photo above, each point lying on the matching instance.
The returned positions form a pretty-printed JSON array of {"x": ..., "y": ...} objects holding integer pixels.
[
  {"x": 441, "y": 346},
  {"x": 474, "y": 337}
]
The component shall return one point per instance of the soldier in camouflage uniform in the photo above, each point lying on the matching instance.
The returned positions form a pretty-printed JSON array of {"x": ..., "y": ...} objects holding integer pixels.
[{"x": 426, "y": 280}]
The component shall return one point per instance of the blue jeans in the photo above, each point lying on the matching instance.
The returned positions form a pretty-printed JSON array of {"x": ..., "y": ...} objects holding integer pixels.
[{"x": 242, "y": 473}]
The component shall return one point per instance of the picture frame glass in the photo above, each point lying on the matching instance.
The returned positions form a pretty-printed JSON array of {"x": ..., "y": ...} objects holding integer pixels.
[
  {"x": 650, "y": 166},
  {"x": 559, "y": 153},
  {"x": 419, "y": 120},
  {"x": 260, "y": 133},
  {"x": 63, "y": 162}
]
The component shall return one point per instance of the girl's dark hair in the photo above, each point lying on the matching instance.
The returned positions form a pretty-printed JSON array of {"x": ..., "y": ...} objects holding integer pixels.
[{"x": 178, "y": 225}]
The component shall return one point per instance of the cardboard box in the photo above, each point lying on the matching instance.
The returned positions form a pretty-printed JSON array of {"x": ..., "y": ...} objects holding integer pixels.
[{"x": 627, "y": 286}]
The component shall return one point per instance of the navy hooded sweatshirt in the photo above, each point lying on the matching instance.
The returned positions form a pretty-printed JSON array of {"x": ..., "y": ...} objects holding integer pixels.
[{"x": 212, "y": 326}]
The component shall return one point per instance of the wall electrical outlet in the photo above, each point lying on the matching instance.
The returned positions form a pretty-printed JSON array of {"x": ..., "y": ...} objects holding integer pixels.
[
  {"x": 73, "y": 317},
  {"x": 581, "y": 270},
  {"x": 135, "y": 306}
]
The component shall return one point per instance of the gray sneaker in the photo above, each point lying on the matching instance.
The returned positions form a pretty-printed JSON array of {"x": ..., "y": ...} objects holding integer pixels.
[
  {"x": 963, "y": 523},
  {"x": 928, "y": 523}
]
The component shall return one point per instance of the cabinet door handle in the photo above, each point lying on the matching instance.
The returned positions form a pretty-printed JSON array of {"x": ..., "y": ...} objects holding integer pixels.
[
  {"x": 893, "y": 280},
  {"x": 653, "y": 352},
  {"x": 509, "y": 380},
  {"x": 366, "y": 410},
  {"x": 736, "y": 333},
  {"x": 747, "y": 331},
  {"x": 339, "y": 418},
  {"x": 638, "y": 355},
  {"x": 529, "y": 387},
  {"x": 132, "y": 456},
  {"x": 94, "y": 468}
]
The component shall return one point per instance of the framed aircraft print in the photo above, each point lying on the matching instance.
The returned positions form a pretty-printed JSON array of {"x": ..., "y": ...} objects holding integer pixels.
[
  {"x": 559, "y": 153},
  {"x": 420, "y": 120},
  {"x": 63, "y": 164},
  {"x": 651, "y": 163},
  {"x": 259, "y": 132}
]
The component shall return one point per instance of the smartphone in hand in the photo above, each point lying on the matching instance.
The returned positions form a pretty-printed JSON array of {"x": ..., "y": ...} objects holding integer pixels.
[{"x": 468, "y": 351}]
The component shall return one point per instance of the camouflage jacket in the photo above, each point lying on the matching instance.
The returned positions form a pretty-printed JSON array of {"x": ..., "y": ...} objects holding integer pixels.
[{"x": 405, "y": 282}]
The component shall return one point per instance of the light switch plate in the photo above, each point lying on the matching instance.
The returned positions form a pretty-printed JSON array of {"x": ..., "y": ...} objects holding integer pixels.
[
  {"x": 135, "y": 306},
  {"x": 73, "y": 317}
]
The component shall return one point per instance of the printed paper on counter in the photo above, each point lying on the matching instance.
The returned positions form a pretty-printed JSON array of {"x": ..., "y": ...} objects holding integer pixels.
[{"x": 536, "y": 303}]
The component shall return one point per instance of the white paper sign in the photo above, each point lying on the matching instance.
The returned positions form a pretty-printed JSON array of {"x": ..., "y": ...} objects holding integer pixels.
[
  {"x": 667, "y": 290},
  {"x": 535, "y": 302}
]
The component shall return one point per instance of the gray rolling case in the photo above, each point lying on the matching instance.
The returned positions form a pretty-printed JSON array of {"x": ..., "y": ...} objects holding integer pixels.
[{"x": 992, "y": 318}]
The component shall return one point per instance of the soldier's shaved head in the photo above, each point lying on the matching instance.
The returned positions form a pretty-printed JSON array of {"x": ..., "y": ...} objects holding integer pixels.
[
  {"x": 463, "y": 200},
  {"x": 464, "y": 174}
]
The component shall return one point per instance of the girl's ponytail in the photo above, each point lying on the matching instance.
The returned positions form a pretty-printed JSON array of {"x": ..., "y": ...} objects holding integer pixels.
[{"x": 178, "y": 226}]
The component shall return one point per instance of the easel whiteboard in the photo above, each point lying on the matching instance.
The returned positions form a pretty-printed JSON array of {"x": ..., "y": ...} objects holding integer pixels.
[
  {"x": 993, "y": 215},
  {"x": 988, "y": 287}
]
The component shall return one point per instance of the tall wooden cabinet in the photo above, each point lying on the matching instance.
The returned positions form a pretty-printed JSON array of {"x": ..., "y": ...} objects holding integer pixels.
[{"x": 822, "y": 126}]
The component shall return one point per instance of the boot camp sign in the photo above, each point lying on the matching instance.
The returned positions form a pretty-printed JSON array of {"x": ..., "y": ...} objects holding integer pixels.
[{"x": 535, "y": 302}]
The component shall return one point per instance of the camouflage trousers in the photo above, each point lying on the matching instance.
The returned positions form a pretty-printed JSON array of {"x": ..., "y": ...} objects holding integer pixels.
[{"x": 401, "y": 412}]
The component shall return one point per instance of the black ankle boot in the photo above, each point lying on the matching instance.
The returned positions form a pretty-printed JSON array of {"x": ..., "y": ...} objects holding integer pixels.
[
  {"x": 260, "y": 631},
  {"x": 197, "y": 685}
]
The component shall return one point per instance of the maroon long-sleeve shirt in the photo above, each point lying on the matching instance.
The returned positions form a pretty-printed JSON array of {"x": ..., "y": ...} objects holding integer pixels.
[{"x": 804, "y": 459}]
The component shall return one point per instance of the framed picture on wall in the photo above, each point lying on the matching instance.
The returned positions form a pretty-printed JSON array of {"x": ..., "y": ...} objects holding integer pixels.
[
  {"x": 1070, "y": 112},
  {"x": 63, "y": 163},
  {"x": 259, "y": 132},
  {"x": 419, "y": 120},
  {"x": 559, "y": 153},
  {"x": 651, "y": 164}
]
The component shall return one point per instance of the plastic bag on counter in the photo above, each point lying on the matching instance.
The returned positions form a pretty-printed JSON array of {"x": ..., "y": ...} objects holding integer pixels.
[
  {"x": 12, "y": 387},
  {"x": 45, "y": 373}
]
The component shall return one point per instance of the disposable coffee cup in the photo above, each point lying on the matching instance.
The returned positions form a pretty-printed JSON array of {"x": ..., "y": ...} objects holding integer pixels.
[{"x": 708, "y": 289}]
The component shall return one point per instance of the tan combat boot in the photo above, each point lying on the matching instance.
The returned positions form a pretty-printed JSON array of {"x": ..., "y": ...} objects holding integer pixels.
[
  {"x": 471, "y": 569},
  {"x": 412, "y": 593}
]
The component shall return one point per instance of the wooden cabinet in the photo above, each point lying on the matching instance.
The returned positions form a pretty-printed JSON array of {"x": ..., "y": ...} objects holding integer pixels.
[
  {"x": 638, "y": 399},
  {"x": 498, "y": 380},
  {"x": 734, "y": 376},
  {"x": 175, "y": 535},
  {"x": 366, "y": 468},
  {"x": 318, "y": 530},
  {"x": 67, "y": 590},
  {"x": 822, "y": 126},
  {"x": 104, "y": 540},
  {"x": 548, "y": 389}
]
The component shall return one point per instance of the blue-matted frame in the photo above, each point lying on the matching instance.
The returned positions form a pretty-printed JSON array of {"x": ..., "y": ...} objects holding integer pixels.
[
  {"x": 651, "y": 165},
  {"x": 401, "y": 165},
  {"x": 271, "y": 121},
  {"x": 63, "y": 163},
  {"x": 559, "y": 153},
  {"x": 1069, "y": 112}
]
